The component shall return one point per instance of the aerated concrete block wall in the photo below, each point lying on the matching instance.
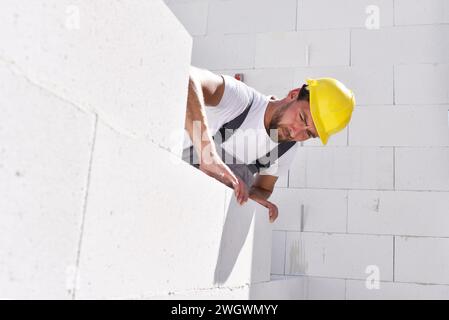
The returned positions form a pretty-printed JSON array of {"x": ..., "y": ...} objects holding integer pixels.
[
  {"x": 95, "y": 202},
  {"x": 374, "y": 203}
]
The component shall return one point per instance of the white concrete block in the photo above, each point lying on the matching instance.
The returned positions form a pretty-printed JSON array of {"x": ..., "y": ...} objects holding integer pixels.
[
  {"x": 251, "y": 16},
  {"x": 422, "y": 260},
  {"x": 421, "y": 84},
  {"x": 224, "y": 51},
  {"x": 121, "y": 59},
  {"x": 323, "y": 210},
  {"x": 400, "y": 45},
  {"x": 278, "y": 252},
  {"x": 422, "y": 169},
  {"x": 357, "y": 290},
  {"x": 399, "y": 213},
  {"x": 289, "y": 203},
  {"x": 282, "y": 181},
  {"x": 341, "y": 167},
  {"x": 338, "y": 255},
  {"x": 370, "y": 84},
  {"x": 305, "y": 48},
  {"x": 323, "y": 288},
  {"x": 407, "y": 12},
  {"x": 327, "y": 14},
  {"x": 280, "y": 289},
  {"x": 150, "y": 225},
  {"x": 399, "y": 126},
  {"x": 297, "y": 172},
  {"x": 193, "y": 15},
  {"x": 45, "y": 147}
]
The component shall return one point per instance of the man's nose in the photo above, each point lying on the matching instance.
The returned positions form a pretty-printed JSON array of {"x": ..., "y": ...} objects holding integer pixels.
[{"x": 299, "y": 132}]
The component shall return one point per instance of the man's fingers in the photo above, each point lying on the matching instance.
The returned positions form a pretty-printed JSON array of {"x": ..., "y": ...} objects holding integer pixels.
[
  {"x": 237, "y": 188},
  {"x": 234, "y": 181},
  {"x": 244, "y": 191},
  {"x": 271, "y": 216},
  {"x": 237, "y": 194},
  {"x": 272, "y": 212},
  {"x": 240, "y": 193},
  {"x": 227, "y": 177}
]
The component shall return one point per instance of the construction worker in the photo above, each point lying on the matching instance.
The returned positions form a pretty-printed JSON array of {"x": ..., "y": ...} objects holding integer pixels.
[{"x": 263, "y": 130}]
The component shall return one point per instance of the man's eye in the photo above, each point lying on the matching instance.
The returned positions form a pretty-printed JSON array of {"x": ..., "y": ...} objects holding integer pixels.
[{"x": 303, "y": 120}]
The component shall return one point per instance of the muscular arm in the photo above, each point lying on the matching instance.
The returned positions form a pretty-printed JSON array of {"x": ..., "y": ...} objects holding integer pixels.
[
  {"x": 257, "y": 193},
  {"x": 262, "y": 189},
  {"x": 205, "y": 88}
]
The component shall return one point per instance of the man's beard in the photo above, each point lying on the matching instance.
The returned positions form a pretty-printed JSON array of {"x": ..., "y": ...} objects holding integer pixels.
[{"x": 275, "y": 120}]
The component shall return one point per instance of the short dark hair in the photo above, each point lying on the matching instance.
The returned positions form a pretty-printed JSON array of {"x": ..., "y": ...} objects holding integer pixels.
[{"x": 303, "y": 94}]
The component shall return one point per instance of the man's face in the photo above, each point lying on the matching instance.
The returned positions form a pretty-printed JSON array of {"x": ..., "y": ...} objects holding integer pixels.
[{"x": 293, "y": 122}]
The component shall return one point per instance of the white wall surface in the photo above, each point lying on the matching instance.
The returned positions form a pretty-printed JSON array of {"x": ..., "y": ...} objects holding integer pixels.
[
  {"x": 377, "y": 194},
  {"x": 95, "y": 202}
]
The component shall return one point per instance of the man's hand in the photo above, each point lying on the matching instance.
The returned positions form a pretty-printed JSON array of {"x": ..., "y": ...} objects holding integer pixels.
[
  {"x": 272, "y": 208},
  {"x": 212, "y": 165},
  {"x": 272, "y": 211}
]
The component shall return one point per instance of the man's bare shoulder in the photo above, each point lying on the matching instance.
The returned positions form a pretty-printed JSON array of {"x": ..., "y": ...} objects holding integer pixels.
[{"x": 212, "y": 84}]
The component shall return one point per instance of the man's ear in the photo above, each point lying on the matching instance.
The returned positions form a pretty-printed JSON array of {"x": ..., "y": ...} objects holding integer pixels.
[{"x": 293, "y": 94}]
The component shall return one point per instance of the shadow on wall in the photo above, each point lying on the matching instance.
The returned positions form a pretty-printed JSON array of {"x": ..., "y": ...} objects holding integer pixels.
[
  {"x": 244, "y": 253},
  {"x": 235, "y": 232}
]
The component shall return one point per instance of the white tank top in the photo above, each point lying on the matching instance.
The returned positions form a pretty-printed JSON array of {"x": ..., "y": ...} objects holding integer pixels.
[{"x": 251, "y": 141}]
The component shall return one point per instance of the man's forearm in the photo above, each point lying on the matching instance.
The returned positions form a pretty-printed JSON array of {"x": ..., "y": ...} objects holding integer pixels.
[{"x": 260, "y": 195}]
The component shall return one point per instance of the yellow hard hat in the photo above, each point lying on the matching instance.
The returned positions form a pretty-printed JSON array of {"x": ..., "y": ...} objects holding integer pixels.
[{"x": 331, "y": 105}]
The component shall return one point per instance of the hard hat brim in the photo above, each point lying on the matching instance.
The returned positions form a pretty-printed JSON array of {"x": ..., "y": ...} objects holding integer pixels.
[{"x": 324, "y": 137}]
